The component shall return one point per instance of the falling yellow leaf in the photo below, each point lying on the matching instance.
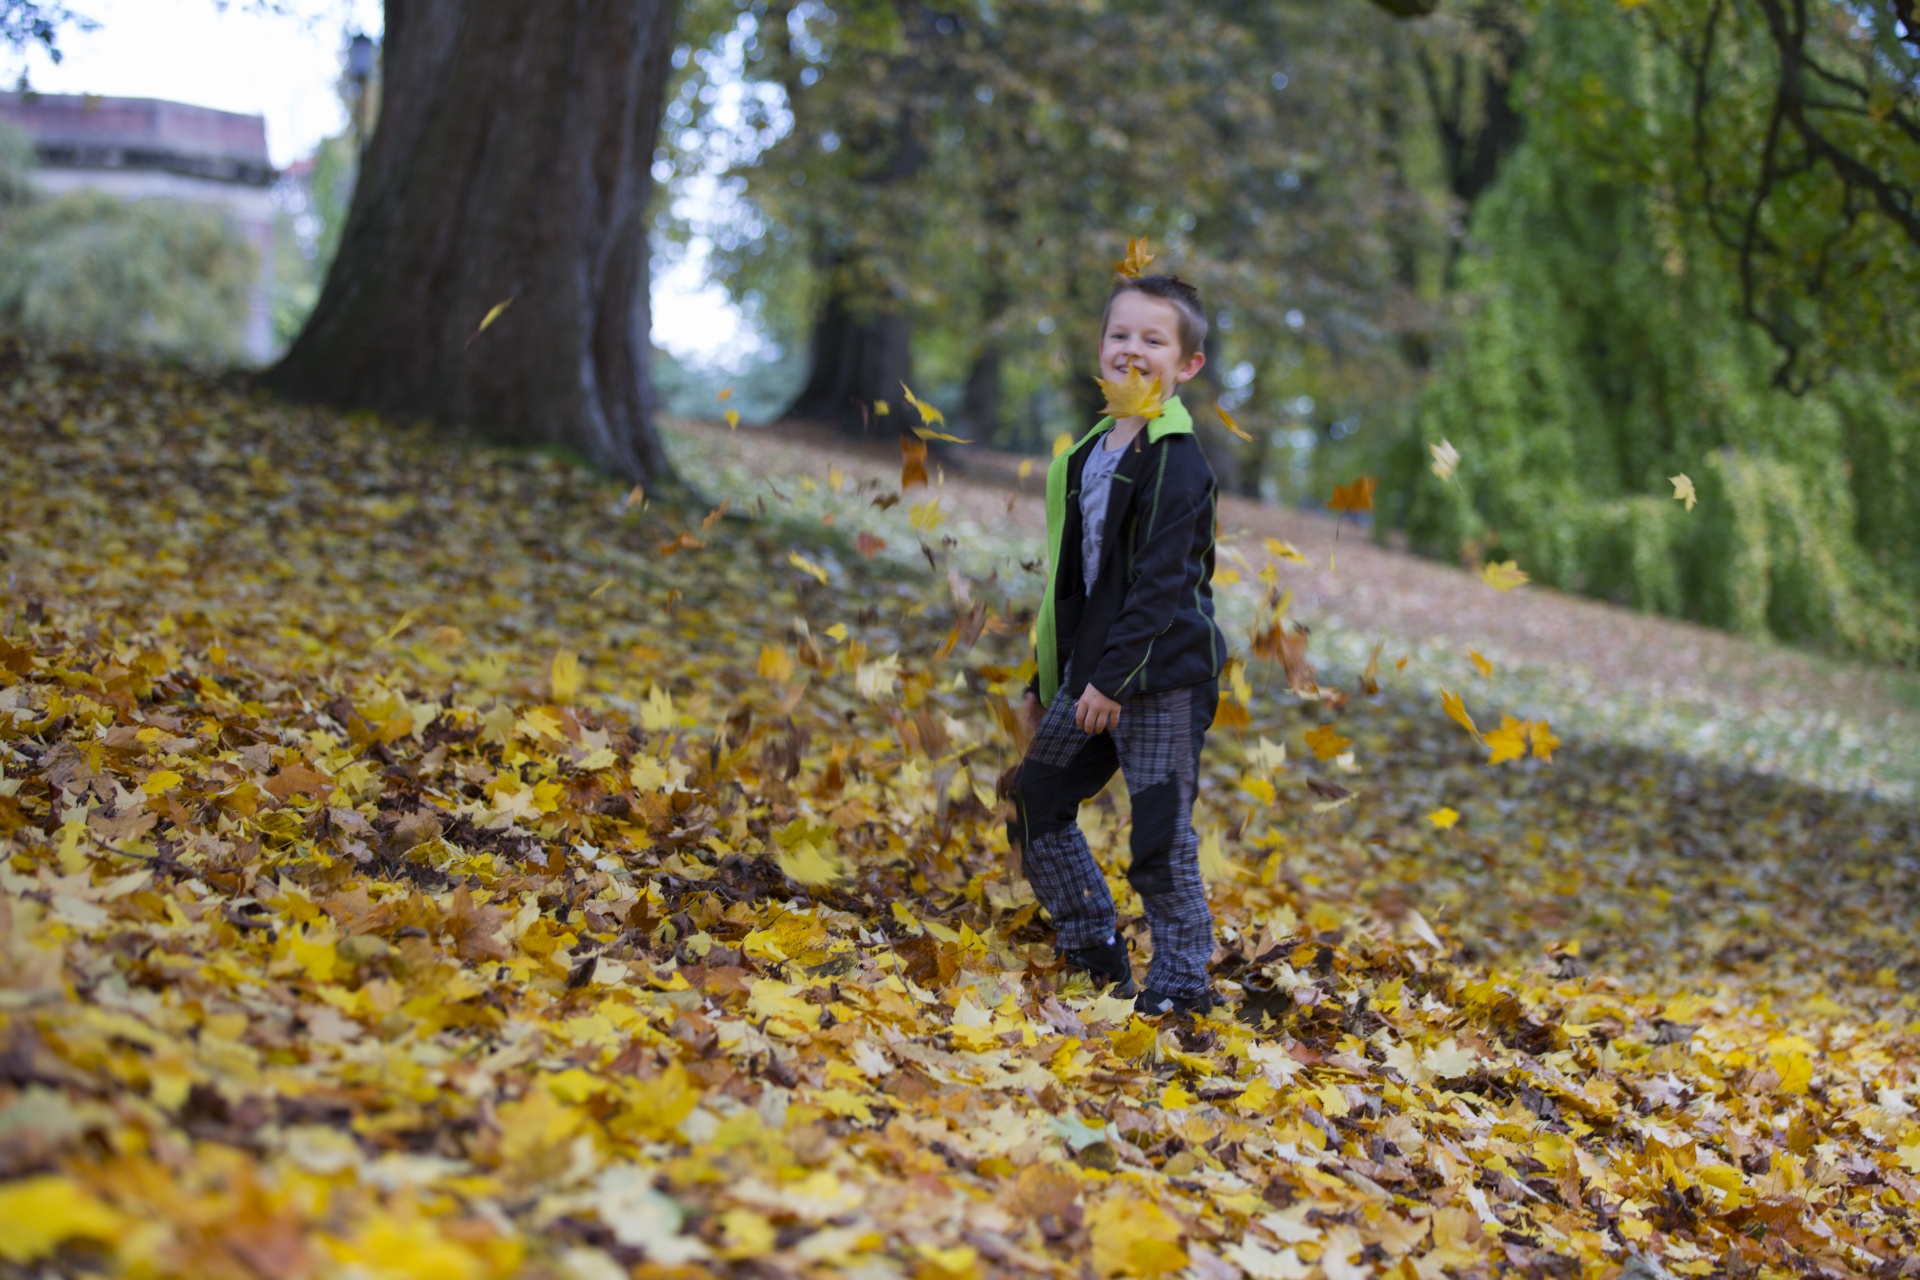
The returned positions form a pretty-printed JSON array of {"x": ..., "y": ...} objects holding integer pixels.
[
  {"x": 1444, "y": 818},
  {"x": 807, "y": 567},
  {"x": 1138, "y": 259},
  {"x": 1327, "y": 742},
  {"x": 1457, "y": 709},
  {"x": 1543, "y": 740},
  {"x": 733, "y": 419},
  {"x": 776, "y": 663},
  {"x": 1132, "y": 396},
  {"x": 1062, "y": 443},
  {"x": 926, "y": 516},
  {"x": 1284, "y": 551},
  {"x": 1226, "y": 419},
  {"x": 928, "y": 416},
  {"x": 1683, "y": 490},
  {"x": 563, "y": 677},
  {"x": 1026, "y": 467},
  {"x": 1509, "y": 741},
  {"x": 1445, "y": 459},
  {"x": 494, "y": 312},
  {"x": 1503, "y": 576},
  {"x": 726, "y": 393},
  {"x": 1480, "y": 664}
]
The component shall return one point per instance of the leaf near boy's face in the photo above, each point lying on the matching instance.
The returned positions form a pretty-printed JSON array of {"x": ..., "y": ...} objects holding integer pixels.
[{"x": 1132, "y": 396}]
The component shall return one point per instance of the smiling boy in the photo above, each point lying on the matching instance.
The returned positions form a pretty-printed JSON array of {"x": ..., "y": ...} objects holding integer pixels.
[{"x": 1128, "y": 662}]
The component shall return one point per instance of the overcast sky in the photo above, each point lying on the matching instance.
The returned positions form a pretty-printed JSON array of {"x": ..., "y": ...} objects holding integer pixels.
[{"x": 285, "y": 68}]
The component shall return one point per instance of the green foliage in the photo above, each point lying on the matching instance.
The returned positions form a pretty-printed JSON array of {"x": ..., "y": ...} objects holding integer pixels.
[
  {"x": 150, "y": 275},
  {"x": 1598, "y": 353},
  {"x": 981, "y": 170}
]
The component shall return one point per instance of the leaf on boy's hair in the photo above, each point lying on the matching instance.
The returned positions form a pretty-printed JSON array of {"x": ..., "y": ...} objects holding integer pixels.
[
  {"x": 1138, "y": 258},
  {"x": 1226, "y": 419},
  {"x": 1353, "y": 498},
  {"x": 913, "y": 463},
  {"x": 1132, "y": 396}
]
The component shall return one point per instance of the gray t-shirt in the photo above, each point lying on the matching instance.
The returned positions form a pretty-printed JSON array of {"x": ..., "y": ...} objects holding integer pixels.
[{"x": 1096, "y": 484}]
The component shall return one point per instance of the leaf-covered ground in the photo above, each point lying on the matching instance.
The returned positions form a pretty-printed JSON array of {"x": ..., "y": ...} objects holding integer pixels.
[{"x": 424, "y": 861}]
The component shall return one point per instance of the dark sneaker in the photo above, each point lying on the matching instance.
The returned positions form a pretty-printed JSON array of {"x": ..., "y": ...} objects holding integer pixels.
[
  {"x": 1154, "y": 1003},
  {"x": 1109, "y": 963}
]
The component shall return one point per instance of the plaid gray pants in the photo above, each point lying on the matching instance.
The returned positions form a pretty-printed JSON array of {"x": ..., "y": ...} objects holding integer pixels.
[{"x": 1156, "y": 746}]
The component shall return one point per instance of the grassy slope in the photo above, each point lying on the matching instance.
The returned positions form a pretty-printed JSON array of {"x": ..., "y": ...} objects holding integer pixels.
[{"x": 341, "y": 936}]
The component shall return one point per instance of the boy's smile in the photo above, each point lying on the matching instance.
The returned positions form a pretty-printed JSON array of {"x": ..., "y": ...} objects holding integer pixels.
[{"x": 1143, "y": 332}]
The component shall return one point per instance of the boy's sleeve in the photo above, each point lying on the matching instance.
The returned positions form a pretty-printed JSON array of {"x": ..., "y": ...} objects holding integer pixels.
[{"x": 1162, "y": 563}]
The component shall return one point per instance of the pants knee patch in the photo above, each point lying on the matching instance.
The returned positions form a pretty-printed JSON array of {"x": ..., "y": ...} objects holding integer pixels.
[
  {"x": 1156, "y": 817},
  {"x": 1039, "y": 809}
]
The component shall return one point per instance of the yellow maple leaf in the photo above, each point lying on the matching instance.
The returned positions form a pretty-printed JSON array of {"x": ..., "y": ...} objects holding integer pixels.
[
  {"x": 1226, "y": 419},
  {"x": 1792, "y": 1058},
  {"x": 1133, "y": 396},
  {"x": 1457, "y": 711},
  {"x": 810, "y": 863},
  {"x": 1352, "y": 499},
  {"x": 388, "y": 1248},
  {"x": 1134, "y": 1237},
  {"x": 1480, "y": 664},
  {"x": 1138, "y": 259},
  {"x": 1543, "y": 741},
  {"x": 1909, "y": 1156},
  {"x": 1683, "y": 490},
  {"x": 1509, "y": 741},
  {"x": 926, "y": 516},
  {"x": 1133, "y": 1039},
  {"x": 1327, "y": 742},
  {"x": 38, "y": 1213},
  {"x": 563, "y": 678},
  {"x": 656, "y": 713},
  {"x": 1503, "y": 576},
  {"x": 161, "y": 781},
  {"x": 1444, "y": 817}
]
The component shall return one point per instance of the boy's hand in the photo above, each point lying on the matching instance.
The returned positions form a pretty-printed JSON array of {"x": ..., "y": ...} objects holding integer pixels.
[
  {"x": 1032, "y": 710},
  {"x": 1095, "y": 712}
]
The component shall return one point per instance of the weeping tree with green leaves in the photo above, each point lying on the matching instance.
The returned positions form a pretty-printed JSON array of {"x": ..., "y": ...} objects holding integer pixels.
[{"x": 1616, "y": 330}]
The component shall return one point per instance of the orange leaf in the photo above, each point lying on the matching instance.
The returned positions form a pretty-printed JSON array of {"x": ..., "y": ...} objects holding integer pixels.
[
  {"x": 913, "y": 462},
  {"x": 1354, "y": 498},
  {"x": 685, "y": 542},
  {"x": 868, "y": 545},
  {"x": 1227, "y": 419}
]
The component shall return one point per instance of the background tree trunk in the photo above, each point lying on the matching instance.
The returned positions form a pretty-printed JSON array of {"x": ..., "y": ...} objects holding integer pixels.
[
  {"x": 512, "y": 161},
  {"x": 856, "y": 361}
]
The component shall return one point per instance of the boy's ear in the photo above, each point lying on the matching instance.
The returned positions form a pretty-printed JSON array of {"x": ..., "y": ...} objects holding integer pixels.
[{"x": 1195, "y": 362}]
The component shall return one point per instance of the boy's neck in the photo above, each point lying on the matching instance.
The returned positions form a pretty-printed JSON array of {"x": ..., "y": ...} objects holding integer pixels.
[{"x": 1124, "y": 430}]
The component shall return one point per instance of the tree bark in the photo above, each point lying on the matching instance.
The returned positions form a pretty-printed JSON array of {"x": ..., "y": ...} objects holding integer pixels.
[
  {"x": 511, "y": 164},
  {"x": 857, "y": 361}
]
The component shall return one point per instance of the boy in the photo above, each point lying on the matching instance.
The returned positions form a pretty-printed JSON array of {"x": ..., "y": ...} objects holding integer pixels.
[{"x": 1128, "y": 661}]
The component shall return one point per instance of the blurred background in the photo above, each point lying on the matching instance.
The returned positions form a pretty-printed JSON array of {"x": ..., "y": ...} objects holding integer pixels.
[{"x": 1592, "y": 244}]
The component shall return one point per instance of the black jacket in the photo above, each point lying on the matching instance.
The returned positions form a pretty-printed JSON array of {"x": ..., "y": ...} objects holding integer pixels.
[{"x": 1148, "y": 623}]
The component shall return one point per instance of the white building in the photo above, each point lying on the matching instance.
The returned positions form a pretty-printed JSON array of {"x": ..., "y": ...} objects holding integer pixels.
[{"x": 141, "y": 147}]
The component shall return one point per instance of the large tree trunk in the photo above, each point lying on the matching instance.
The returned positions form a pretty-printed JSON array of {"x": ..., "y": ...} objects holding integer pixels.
[
  {"x": 857, "y": 362},
  {"x": 512, "y": 161}
]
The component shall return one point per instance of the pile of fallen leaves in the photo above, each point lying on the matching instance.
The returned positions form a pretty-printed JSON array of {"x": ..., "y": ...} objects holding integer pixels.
[{"x": 425, "y": 861}]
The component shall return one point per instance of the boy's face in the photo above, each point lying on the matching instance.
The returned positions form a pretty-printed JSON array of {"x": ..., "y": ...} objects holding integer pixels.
[{"x": 1143, "y": 332}]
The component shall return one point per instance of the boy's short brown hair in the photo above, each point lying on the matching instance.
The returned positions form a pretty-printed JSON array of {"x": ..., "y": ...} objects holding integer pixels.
[{"x": 1184, "y": 297}]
